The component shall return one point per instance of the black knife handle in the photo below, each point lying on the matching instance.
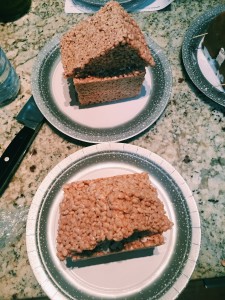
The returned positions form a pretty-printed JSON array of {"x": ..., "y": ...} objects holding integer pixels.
[{"x": 11, "y": 158}]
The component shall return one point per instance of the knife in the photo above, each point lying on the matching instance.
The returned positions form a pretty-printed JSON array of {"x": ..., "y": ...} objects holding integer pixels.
[{"x": 32, "y": 119}]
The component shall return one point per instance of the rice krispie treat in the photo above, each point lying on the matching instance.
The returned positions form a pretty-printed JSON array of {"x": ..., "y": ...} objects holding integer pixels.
[
  {"x": 106, "y": 44},
  {"x": 103, "y": 215}
]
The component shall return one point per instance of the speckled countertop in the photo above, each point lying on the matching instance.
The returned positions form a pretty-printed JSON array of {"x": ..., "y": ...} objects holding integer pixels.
[{"x": 190, "y": 135}]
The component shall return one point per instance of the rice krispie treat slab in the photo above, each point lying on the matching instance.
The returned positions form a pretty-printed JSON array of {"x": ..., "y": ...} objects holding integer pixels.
[
  {"x": 109, "y": 209},
  {"x": 196, "y": 64}
]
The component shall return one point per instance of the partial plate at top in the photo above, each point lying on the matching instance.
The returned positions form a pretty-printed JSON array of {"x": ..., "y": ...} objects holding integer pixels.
[
  {"x": 196, "y": 64},
  {"x": 114, "y": 121}
]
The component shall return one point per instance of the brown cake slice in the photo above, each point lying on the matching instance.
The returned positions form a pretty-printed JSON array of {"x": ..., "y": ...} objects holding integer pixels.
[
  {"x": 214, "y": 46},
  {"x": 122, "y": 211}
]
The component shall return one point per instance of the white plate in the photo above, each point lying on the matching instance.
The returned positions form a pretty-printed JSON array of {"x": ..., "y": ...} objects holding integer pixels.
[
  {"x": 115, "y": 121},
  {"x": 162, "y": 274}
]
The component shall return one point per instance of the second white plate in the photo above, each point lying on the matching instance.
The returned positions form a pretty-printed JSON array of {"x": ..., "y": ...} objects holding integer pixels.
[{"x": 162, "y": 274}]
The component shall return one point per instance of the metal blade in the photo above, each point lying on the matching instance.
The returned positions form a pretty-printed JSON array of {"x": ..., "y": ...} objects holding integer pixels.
[{"x": 30, "y": 115}]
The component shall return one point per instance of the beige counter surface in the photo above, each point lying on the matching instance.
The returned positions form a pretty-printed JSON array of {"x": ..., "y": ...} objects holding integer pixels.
[{"x": 190, "y": 135}]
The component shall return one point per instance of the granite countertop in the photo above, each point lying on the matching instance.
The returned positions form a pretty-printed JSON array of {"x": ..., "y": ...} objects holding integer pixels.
[{"x": 190, "y": 135}]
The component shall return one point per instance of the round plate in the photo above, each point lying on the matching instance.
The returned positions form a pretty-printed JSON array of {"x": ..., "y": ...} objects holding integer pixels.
[
  {"x": 115, "y": 121},
  {"x": 160, "y": 274},
  {"x": 194, "y": 60},
  {"x": 102, "y": 2}
]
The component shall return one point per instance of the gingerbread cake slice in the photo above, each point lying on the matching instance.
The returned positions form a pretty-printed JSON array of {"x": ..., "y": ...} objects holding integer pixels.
[
  {"x": 104, "y": 215},
  {"x": 106, "y": 44}
]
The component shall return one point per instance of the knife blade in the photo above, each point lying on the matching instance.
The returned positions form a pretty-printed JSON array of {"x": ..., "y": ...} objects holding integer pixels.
[{"x": 32, "y": 119}]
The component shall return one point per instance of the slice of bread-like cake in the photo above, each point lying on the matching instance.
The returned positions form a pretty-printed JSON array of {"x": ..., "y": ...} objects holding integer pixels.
[
  {"x": 104, "y": 215},
  {"x": 106, "y": 44}
]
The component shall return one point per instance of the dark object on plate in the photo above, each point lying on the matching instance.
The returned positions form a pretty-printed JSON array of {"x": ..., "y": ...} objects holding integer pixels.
[
  {"x": 11, "y": 10},
  {"x": 214, "y": 45},
  {"x": 191, "y": 44},
  {"x": 32, "y": 119},
  {"x": 141, "y": 277},
  {"x": 215, "y": 38}
]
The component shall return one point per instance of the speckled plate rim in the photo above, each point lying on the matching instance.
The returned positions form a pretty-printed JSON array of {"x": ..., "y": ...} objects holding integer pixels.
[
  {"x": 189, "y": 55},
  {"x": 157, "y": 99},
  {"x": 187, "y": 268}
]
